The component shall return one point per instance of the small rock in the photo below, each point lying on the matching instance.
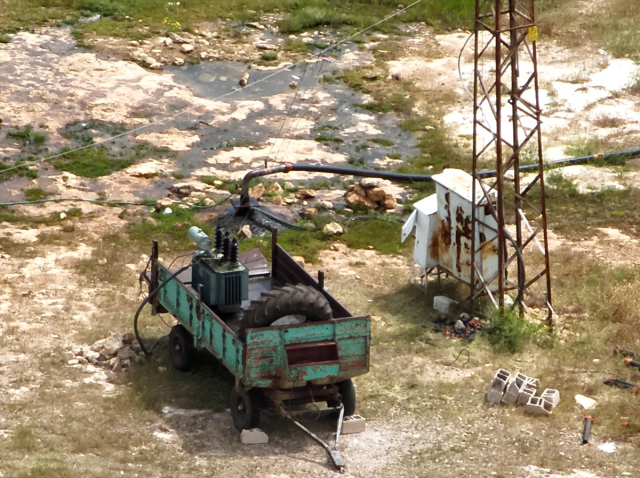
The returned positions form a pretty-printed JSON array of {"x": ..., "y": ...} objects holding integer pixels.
[
  {"x": 370, "y": 182},
  {"x": 257, "y": 191},
  {"x": 162, "y": 369},
  {"x": 102, "y": 261},
  {"x": 128, "y": 338},
  {"x": 244, "y": 80},
  {"x": 266, "y": 47},
  {"x": 326, "y": 204},
  {"x": 218, "y": 183},
  {"x": 290, "y": 200},
  {"x": 125, "y": 353},
  {"x": 332, "y": 229},
  {"x": 377, "y": 194},
  {"x": 166, "y": 42},
  {"x": 73, "y": 362},
  {"x": 299, "y": 260},
  {"x": 254, "y": 436},
  {"x": 255, "y": 25},
  {"x": 187, "y": 48},
  {"x": 134, "y": 43},
  {"x": 178, "y": 62},
  {"x": 68, "y": 355},
  {"x": 288, "y": 185},
  {"x": 309, "y": 212},
  {"x": 63, "y": 216},
  {"x": 293, "y": 85},
  {"x": 245, "y": 232},
  {"x": 135, "y": 346},
  {"x": 274, "y": 188},
  {"x": 177, "y": 38},
  {"x": 278, "y": 201},
  {"x": 82, "y": 361},
  {"x": 353, "y": 199},
  {"x": 208, "y": 202},
  {"x": 305, "y": 194},
  {"x": 204, "y": 55},
  {"x": 459, "y": 327},
  {"x": 389, "y": 201}
]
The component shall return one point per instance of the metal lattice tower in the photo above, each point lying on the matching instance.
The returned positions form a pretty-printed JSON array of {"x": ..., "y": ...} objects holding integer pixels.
[{"x": 506, "y": 131}]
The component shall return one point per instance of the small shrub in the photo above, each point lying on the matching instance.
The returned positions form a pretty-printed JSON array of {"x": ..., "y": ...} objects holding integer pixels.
[
  {"x": 35, "y": 194},
  {"x": 374, "y": 107},
  {"x": 507, "y": 332},
  {"x": 382, "y": 141},
  {"x": 325, "y": 138},
  {"x": 29, "y": 136},
  {"x": 270, "y": 56},
  {"x": 177, "y": 175},
  {"x": 4, "y": 39}
]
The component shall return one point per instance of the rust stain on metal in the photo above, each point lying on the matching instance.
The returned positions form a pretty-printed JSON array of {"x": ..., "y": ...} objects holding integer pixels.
[
  {"x": 463, "y": 231},
  {"x": 445, "y": 232},
  {"x": 433, "y": 245}
]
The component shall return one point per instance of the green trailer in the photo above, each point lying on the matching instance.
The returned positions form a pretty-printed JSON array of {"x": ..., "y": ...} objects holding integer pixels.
[{"x": 287, "y": 340}]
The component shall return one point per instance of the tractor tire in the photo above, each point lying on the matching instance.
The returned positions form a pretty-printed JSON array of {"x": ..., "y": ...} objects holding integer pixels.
[
  {"x": 348, "y": 394},
  {"x": 245, "y": 408},
  {"x": 283, "y": 301},
  {"x": 181, "y": 349}
]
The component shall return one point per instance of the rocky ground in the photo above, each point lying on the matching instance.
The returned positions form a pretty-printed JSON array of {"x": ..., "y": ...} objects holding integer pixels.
[{"x": 76, "y": 397}]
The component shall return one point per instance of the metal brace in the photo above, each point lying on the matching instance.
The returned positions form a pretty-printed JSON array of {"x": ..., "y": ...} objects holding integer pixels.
[{"x": 334, "y": 455}]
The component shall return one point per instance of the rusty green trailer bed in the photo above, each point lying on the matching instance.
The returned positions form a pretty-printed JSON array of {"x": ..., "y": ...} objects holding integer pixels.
[{"x": 280, "y": 359}]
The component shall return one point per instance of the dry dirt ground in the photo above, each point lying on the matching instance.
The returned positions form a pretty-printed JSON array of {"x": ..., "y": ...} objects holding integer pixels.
[{"x": 67, "y": 284}]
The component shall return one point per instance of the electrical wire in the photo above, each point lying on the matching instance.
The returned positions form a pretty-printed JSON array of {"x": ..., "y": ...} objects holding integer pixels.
[
  {"x": 112, "y": 203},
  {"x": 224, "y": 95},
  {"x": 146, "y": 300}
]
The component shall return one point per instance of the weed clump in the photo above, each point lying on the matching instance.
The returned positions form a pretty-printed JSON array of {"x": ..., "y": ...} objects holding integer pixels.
[
  {"x": 508, "y": 332},
  {"x": 270, "y": 56}
]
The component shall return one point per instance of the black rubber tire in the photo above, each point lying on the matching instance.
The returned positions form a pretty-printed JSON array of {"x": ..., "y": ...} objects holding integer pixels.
[
  {"x": 181, "y": 349},
  {"x": 348, "y": 394},
  {"x": 283, "y": 301},
  {"x": 245, "y": 408}
]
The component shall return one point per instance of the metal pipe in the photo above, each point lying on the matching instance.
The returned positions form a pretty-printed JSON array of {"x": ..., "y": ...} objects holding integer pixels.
[
  {"x": 417, "y": 178},
  {"x": 587, "y": 429},
  {"x": 244, "y": 193}
]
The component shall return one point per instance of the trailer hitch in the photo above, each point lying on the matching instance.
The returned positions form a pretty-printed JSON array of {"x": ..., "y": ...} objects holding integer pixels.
[{"x": 334, "y": 455}]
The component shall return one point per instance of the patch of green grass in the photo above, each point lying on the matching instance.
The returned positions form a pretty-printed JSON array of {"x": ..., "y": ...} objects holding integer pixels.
[
  {"x": 359, "y": 161},
  {"x": 298, "y": 46},
  {"x": 374, "y": 107},
  {"x": 90, "y": 162},
  {"x": 4, "y": 39},
  {"x": 24, "y": 439},
  {"x": 47, "y": 469},
  {"x": 394, "y": 156},
  {"x": 28, "y": 136},
  {"x": 269, "y": 56},
  {"x": 381, "y": 234},
  {"x": 170, "y": 229},
  {"x": 507, "y": 332},
  {"x": 177, "y": 175},
  {"x": 35, "y": 194},
  {"x": 327, "y": 78},
  {"x": 327, "y": 138},
  {"x": 382, "y": 141}
]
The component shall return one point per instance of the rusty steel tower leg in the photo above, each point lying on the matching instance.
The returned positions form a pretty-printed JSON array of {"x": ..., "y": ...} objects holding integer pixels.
[{"x": 509, "y": 213}]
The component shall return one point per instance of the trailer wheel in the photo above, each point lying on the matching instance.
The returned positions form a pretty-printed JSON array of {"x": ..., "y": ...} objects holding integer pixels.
[
  {"x": 348, "y": 394},
  {"x": 283, "y": 301},
  {"x": 245, "y": 408},
  {"x": 181, "y": 349}
]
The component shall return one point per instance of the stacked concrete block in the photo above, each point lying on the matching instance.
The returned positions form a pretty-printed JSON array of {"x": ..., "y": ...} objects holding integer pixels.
[
  {"x": 498, "y": 387},
  {"x": 538, "y": 406},
  {"x": 551, "y": 396},
  {"x": 514, "y": 388},
  {"x": 526, "y": 393}
]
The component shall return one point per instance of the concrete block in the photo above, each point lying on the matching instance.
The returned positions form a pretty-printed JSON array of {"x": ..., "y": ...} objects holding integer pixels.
[
  {"x": 514, "y": 388},
  {"x": 254, "y": 436},
  {"x": 498, "y": 386},
  {"x": 353, "y": 424},
  {"x": 442, "y": 303},
  {"x": 538, "y": 406},
  {"x": 533, "y": 381},
  {"x": 551, "y": 396},
  {"x": 527, "y": 392}
]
